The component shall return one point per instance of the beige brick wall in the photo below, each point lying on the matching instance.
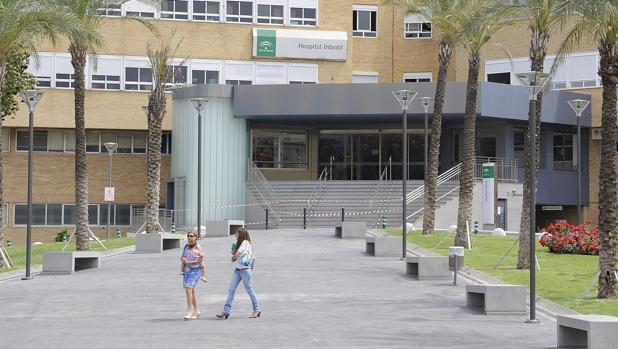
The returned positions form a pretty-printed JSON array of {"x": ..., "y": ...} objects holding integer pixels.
[{"x": 54, "y": 182}]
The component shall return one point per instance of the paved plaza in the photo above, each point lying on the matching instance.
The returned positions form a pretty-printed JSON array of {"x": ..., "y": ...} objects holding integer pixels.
[{"x": 316, "y": 291}]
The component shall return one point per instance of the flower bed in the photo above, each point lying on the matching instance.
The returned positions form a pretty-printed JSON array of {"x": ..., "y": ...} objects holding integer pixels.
[{"x": 576, "y": 239}]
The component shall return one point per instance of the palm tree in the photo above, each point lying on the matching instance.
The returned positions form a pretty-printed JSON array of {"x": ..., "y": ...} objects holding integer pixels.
[
  {"x": 163, "y": 74},
  {"x": 544, "y": 17},
  {"x": 599, "y": 21},
  {"x": 90, "y": 14},
  {"x": 481, "y": 20},
  {"x": 22, "y": 23},
  {"x": 440, "y": 13}
]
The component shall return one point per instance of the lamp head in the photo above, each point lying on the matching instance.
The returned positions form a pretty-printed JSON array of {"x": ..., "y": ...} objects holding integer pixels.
[
  {"x": 426, "y": 101},
  {"x": 533, "y": 82},
  {"x": 199, "y": 103},
  {"x": 404, "y": 97},
  {"x": 111, "y": 147},
  {"x": 31, "y": 98},
  {"x": 578, "y": 106}
]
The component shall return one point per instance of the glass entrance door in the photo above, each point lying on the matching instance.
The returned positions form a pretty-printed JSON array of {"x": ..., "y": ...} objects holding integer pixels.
[{"x": 362, "y": 155}]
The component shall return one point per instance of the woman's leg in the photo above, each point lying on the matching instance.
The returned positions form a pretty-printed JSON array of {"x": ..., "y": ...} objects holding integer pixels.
[
  {"x": 246, "y": 276},
  {"x": 189, "y": 292},
  {"x": 231, "y": 291},
  {"x": 194, "y": 301}
]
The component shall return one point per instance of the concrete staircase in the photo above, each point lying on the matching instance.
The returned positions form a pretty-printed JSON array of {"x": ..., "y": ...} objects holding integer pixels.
[{"x": 363, "y": 201}]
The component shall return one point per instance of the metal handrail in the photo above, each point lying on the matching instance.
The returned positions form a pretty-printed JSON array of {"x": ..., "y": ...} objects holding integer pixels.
[
  {"x": 256, "y": 177},
  {"x": 450, "y": 175},
  {"x": 317, "y": 188},
  {"x": 438, "y": 199},
  {"x": 505, "y": 169},
  {"x": 386, "y": 172}
]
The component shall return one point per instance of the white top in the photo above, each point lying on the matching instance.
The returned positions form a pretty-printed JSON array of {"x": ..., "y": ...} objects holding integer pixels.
[{"x": 245, "y": 246}]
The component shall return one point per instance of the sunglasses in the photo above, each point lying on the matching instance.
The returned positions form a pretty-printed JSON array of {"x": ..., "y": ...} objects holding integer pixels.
[{"x": 191, "y": 236}]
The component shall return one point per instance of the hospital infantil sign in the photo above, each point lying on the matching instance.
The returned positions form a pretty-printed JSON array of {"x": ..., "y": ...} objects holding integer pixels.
[{"x": 302, "y": 44}]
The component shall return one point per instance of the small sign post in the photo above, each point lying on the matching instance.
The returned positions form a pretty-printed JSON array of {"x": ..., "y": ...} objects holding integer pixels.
[
  {"x": 109, "y": 194},
  {"x": 489, "y": 193}
]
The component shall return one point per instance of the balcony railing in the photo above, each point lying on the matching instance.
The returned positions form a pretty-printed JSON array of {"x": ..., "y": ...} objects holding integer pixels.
[{"x": 505, "y": 169}]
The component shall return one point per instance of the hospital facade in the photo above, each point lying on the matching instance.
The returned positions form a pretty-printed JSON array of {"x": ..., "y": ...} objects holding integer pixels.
[{"x": 320, "y": 50}]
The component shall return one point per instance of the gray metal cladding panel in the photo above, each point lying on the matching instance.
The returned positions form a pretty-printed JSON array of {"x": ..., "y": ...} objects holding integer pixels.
[
  {"x": 287, "y": 99},
  {"x": 249, "y": 100},
  {"x": 323, "y": 100},
  {"x": 356, "y": 99}
]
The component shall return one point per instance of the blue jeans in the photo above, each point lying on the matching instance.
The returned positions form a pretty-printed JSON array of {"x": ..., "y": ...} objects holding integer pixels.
[{"x": 245, "y": 276}]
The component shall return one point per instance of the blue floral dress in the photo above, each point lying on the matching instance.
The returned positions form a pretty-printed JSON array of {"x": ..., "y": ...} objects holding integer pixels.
[{"x": 192, "y": 272}]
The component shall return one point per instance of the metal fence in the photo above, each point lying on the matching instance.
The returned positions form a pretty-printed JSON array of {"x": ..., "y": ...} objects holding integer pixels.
[
  {"x": 505, "y": 169},
  {"x": 138, "y": 220}
]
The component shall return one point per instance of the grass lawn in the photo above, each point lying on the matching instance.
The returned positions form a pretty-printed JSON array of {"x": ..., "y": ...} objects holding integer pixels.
[
  {"x": 562, "y": 279},
  {"x": 18, "y": 253}
]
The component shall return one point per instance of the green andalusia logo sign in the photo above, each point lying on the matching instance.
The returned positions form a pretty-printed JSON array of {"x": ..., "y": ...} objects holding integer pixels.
[{"x": 266, "y": 43}]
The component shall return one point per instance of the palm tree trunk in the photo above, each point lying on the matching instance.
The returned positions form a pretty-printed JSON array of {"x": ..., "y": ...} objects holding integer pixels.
[
  {"x": 538, "y": 51},
  {"x": 429, "y": 212},
  {"x": 608, "y": 229},
  {"x": 154, "y": 171},
  {"x": 466, "y": 179},
  {"x": 78, "y": 60},
  {"x": 2, "y": 74}
]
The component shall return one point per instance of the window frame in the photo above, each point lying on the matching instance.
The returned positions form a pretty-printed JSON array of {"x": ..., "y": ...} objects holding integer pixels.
[
  {"x": 270, "y": 16},
  {"x": 277, "y": 162},
  {"x": 207, "y": 14},
  {"x": 175, "y": 15},
  {"x": 573, "y": 162},
  {"x": 413, "y": 19},
  {"x": 418, "y": 76},
  {"x": 239, "y": 16},
  {"x": 366, "y": 34},
  {"x": 304, "y": 19}
]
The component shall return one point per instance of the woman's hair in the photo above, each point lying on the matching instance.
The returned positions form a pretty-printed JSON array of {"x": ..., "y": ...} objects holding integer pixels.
[
  {"x": 241, "y": 235},
  {"x": 194, "y": 233}
]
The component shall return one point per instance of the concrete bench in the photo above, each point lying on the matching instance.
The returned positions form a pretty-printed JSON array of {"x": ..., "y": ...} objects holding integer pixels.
[
  {"x": 428, "y": 267},
  {"x": 382, "y": 246},
  {"x": 497, "y": 299},
  {"x": 587, "y": 331},
  {"x": 156, "y": 243},
  {"x": 351, "y": 230},
  {"x": 224, "y": 227},
  {"x": 68, "y": 262}
]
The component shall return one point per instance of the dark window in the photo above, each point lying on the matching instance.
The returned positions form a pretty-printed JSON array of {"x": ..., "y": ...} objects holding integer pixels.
[
  {"x": 518, "y": 147},
  {"x": 93, "y": 214},
  {"x": 54, "y": 214},
  {"x": 39, "y": 140},
  {"x": 500, "y": 78},
  {"x": 123, "y": 214},
  {"x": 563, "y": 151}
]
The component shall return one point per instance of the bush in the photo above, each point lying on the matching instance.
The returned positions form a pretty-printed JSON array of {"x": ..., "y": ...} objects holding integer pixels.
[
  {"x": 563, "y": 237},
  {"x": 62, "y": 236}
]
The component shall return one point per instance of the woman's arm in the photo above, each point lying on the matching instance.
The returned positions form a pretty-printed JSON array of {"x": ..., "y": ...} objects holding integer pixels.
[{"x": 200, "y": 252}]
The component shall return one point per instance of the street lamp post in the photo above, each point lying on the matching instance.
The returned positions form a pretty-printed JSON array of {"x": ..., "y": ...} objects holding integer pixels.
[
  {"x": 111, "y": 148},
  {"x": 31, "y": 98},
  {"x": 199, "y": 104},
  {"x": 533, "y": 82},
  {"x": 578, "y": 106},
  {"x": 426, "y": 101},
  {"x": 404, "y": 97}
]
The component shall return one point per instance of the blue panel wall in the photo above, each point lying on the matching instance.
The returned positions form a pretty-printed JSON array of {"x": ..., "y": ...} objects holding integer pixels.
[{"x": 224, "y": 157}]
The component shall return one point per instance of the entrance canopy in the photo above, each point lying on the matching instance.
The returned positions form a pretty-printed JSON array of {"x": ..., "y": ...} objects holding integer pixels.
[{"x": 337, "y": 103}]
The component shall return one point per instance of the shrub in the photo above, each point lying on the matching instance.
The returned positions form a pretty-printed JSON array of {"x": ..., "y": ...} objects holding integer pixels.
[
  {"x": 62, "y": 236},
  {"x": 563, "y": 237}
]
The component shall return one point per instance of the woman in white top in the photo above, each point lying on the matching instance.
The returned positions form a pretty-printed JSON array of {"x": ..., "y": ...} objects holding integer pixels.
[{"x": 242, "y": 256}]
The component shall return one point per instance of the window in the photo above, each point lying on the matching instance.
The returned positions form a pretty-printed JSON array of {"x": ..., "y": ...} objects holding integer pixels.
[
  {"x": 65, "y": 77},
  {"x": 139, "y": 142},
  {"x": 364, "y": 77},
  {"x": 166, "y": 143},
  {"x": 69, "y": 140},
  {"x": 124, "y": 142},
  {"x": 68, "y": 214},
  {"x": 122, "y": 214},
  {"x": 138, "y": 79},
  {"x": 302, "y": 83},
  {"x": 38, "y": 214},
  {"x": 105, "y": 75},
  {"x": 302, "y": 16},
  {"x": 239, "y": 11},
  {"x": 140, "y": 14},
  {"x": 563, "y": 151},
  {"x": 416, "y": 27},
  {"x": 206, "y": 10},
  {"x": 5, "y": 214},
  {"x": 55, "y": 141},
  {"x": 92, "y": 142},
  {"x": 175, "y": 9},
  {"x": 279, "y": 149},
  {"x": 500, "y": 78},
  {"x": 111, "y": 10},
  {"x": 417, "y": 77},
  {"x": 302, "y": 73},
  {"x": 93, "y": 214},
  {"x": 238, "y": 82},
  {"x": 44, "y": 70},
  {"x": 54, "y": 214},
  {"x": 180, "y": 74},
  {"x": 6, "y": 140},
  {"x": 270, "y": 14},
  {"x": 39, "y": 140},
  {"x": 364, "y": 21},
  {"x": 518, "y": 146},
  {"x": 200, "y": 77},
  {"x": 106, "y": 82},
  {"x": 270, "y": 73}
]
